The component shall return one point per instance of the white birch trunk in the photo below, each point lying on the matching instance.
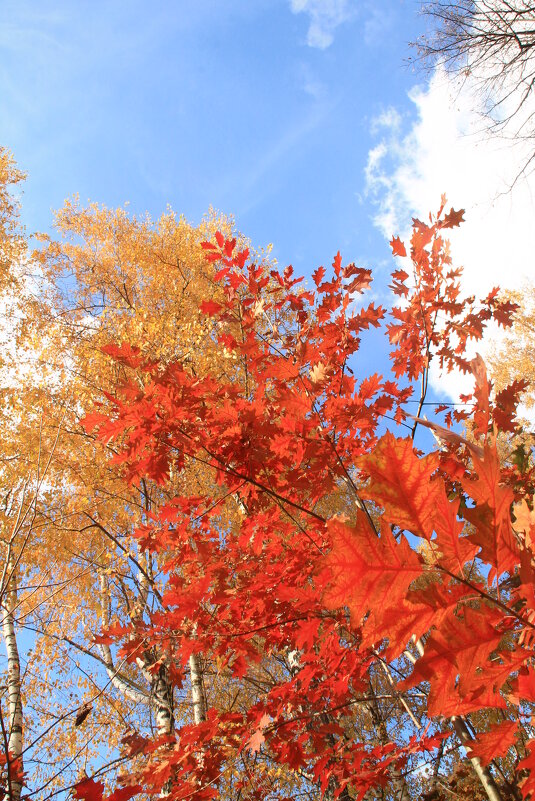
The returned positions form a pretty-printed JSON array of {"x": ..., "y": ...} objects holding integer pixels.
[
  {"x": 482, "y": 772},
  {"x": 162, "y": 693},
  {"x": 119, "y": 682},
  {"x": 198, "y": 696},
  {"x": 160, "y": 696},
  {"x": 14, "y": 700}
]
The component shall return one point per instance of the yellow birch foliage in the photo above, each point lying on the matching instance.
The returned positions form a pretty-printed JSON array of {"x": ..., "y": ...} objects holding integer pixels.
[
  {"x": 32, "y": 585},
  {"x": 107, "y": 278},
  {"x": 26, "y": 500},
  {"x": 515, "y": 358}
]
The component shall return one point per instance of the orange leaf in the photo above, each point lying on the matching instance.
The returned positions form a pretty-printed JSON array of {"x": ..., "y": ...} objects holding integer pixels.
[
  {"x": 255, "y": 742},
  {"x": 494, "y": 743},
  {"x": 454, "y": 662},
  {"x": 481, "y": 415},
  {"x": 367, "y": 570},
  {"x": 398, "y": 248},
  {"x": 491, "y": 516},
  {"x": 401, "y": 483},
  {"x": 455, "y": 550},
  {"x": 525, "y": 521}
]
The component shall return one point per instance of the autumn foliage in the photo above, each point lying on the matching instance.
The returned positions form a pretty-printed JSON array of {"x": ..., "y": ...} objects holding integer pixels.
[
  {"x": 360, "y": 607},
  {"x": 68, "y": 562}
]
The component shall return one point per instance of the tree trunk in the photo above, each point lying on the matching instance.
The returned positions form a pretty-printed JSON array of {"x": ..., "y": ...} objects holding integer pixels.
[
  {"x": 198, "y": 696},
  {"x": 14, "y": 701},
  {"x": 163, "y": 701},
  {"x": 483, "y": 773}
]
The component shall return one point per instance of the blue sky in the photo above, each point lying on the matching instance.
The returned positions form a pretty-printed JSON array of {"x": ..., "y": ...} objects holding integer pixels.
[
  {"x": 255, "y": 107},
  {"x": 299, "y": 117}
]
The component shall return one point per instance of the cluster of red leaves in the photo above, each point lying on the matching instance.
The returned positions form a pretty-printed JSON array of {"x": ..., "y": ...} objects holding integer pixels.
[
  {"x": 290, "y": 437},
  {"x": 11, "y": 772}
]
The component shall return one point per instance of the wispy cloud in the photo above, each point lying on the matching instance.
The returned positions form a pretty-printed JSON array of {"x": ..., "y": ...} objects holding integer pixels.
[
  {"x": 446, "y": 150},
  {"x": 256, "y": 186},
  {"x": 325, "y": 16},
  {"x": 311, "y": 85},
  {"x": 377, "y": 23}
]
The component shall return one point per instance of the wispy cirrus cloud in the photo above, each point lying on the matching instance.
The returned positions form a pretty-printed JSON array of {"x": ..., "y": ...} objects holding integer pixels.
[{"x": 325, "y": 16}]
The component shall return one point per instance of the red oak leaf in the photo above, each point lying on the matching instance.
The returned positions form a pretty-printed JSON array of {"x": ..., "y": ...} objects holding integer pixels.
[
  {"x": 401, "y": 483},
  {"x": 398, "y": 248},
  {"x": 366, "y": 570},
  {"x": 89, "y": 790},
  {"x": 495, "y": 742},
  {"x": 210, "y": 307}
]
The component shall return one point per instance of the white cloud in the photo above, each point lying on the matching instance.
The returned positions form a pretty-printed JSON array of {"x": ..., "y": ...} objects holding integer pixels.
[
  {"x": 325, "y": 17},
  {"x": 447, "y": 150}
]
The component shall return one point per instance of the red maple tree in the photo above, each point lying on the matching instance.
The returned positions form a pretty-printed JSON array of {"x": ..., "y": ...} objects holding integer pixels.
[{"x": 388, "y": 593}]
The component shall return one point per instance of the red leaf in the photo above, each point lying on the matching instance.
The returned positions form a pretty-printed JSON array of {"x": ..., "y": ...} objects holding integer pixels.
[
  {"x": 454, "y": 663},
  {"x": 222, "y": 273},
  {"x": 495, "y": 742},
  {"x": 124, "y": 793},
  {"x": 414, "y": 616},
  {"x": 210, "y": 307},
  {"x": 398, "y": 286},
  {"x": 318, "y": 275},
  {"x": 337, "y": 264},
  {"x": 524, "y": 686},
  {"x": 89, "y": 790},
  {"x": 361, "y": 281},
  {"x": 366, "y": 570},
  {"x": 124, "y": 353},
  {"x": 230, "y": 244},
  {"x": 506, "y": 404},
  {"x": 401, "y": 483},
  {"x": 398, "y": 248},
  {"x": 93, "y": 420},
  {"x": 239, "y": 666}
]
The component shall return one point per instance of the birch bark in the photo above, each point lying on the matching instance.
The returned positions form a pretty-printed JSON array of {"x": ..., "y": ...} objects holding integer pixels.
[
  {"x": 198, "y": 696},
  {"x": 159, "y": 696},
  {"x": 14, "y": 733}
]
